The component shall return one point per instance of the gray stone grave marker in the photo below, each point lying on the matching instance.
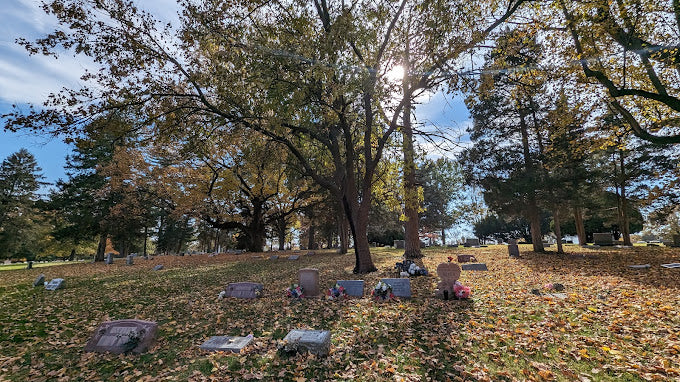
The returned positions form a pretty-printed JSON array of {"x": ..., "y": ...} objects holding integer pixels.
[
  {"x": 123, "y": 336},
  {"x": 158, "y": 267},
  {"x": 293, "y": 257},
  {"x": 513, "y": 250},
  {"x": 109, "y": 258},
  {"x": 603, "y": 239},
  {"x": 475, "y": 267},
  {"x": 309, "y": 281},
  {"x": 273, "y": 257},
  {"x": 400, "y": 287},
  {"x": 354, "y": 288},
  {"x": 317, "y": 342},
  {"x": 671, "y": 265},
  {"x": 399, "y": 244},
  {"x": 472, "y": 242},
  {"x": 40, "y": 280},
  {"x": 226, "y": 343},
  {"x": 452, "y": 246},
  {"x": 640, "y": 266},
  {"x": 130, "y": 260},
  {"x": 55, "y": 284},
  {"x": 244, "y": 290},
  {"x": 676, "y": 240}
]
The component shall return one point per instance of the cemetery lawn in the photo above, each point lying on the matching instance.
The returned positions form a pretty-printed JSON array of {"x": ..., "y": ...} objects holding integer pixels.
[
  {"x": 9, "y": 267},
  {"x": 616, "y": 323}
]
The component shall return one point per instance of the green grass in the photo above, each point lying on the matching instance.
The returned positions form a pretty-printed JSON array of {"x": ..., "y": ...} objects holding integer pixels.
[{"x": 17, "y": 266}]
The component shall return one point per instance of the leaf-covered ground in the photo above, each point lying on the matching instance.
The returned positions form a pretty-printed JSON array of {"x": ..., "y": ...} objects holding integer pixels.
[{"x": 616, "y": 324}]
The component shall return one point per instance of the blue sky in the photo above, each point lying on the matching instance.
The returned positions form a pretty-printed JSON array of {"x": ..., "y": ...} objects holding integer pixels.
[{"x": 28, "y": 79}]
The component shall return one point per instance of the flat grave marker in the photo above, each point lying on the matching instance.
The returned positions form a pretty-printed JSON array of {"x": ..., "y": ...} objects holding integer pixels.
[
  {"x": 640, "y": 266},
  {"x": 293, "y": 257},
  {"x": 475, "y": 267},
  {"x": 244, "y": 290},
  {"x": 316, "y": 342},
  {"x": 158, "y": 267},
  {"x": 55, "y": 284},
  {"x": 226, "y": 343},
  {"x": 671, "y": 265},
  {"x": 400, "y": 287},
  {"x": 273, "y": 257},
  {"x": 123, "y": 336},
  {"x": 354, "y": 288},
  {"x": 466, "y": 258}
]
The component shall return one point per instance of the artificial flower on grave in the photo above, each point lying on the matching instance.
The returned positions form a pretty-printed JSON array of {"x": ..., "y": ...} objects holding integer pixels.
[
  {"x": 461, "y": 291},
  {"x": 450, "y": 259},
  {"x": 336, "y": 292},
  {"x": 409, "y": 268},
  {"x": 294, "y": 291},
  {"x": 382, "y": 291}
]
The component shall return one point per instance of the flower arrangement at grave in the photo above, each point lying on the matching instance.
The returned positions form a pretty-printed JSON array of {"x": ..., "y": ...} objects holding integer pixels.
[
  {"x": 408, "y": 268},
  {"x": 461, "y": 291},
  {"x": 336, "y": 292},
  {"x": 294, "y": 291},
  {"x": 554, "y": 286},
  {"x": 382, "y": 291}
]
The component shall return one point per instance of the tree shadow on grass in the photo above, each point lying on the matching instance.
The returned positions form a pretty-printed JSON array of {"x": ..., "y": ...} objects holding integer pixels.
[{"x": 610, "y": 262}]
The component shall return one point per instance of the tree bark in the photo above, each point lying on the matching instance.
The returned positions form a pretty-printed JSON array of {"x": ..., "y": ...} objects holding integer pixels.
[
  {"x": 357, "y": 215},
  {"x": 443, "y": 237},
  {"x": 580, "y": 228},
  {"x": 558, "y": 229},
  {"x": 411, "y": 225},
  {"x": 101, "y": 247},
  {"x": 532, "y": 208},
  {"x": 625, "y": 218},
  {"x": 343, "y": 230},
  {"x": 311, "y": 240}
]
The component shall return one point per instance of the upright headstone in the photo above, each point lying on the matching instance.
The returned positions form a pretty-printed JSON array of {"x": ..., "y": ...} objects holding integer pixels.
[
  {"x": 109, "y": 258},
  {"x": 676, "y": 240},
  {"x": 400, "y": 287},
  {"x": 603, "y": 239},
  {"x": 399, "y": 244},
  {"x": 244, "y": 290},
  {"x": 354, "y": 288},
  {"x": 309, "y": 281},
  {"x": 55, "y": 284},
  {"x": 30, "y": 265},
  {"x": 123, "y": 336},
  {"x": 448, "y": 273},
  {"x": 317, "y": 342},
  {"x": 472, "y": 242},
  {"x": 226, "y": 343},
  {"x": 39, "y": 281},
  {"x": 513, "y": 250},
  {"x": 130, "y": 260}
]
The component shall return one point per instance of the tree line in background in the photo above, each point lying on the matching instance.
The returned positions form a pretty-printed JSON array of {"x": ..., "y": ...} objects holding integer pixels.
[{"x": 248, "y": 116}]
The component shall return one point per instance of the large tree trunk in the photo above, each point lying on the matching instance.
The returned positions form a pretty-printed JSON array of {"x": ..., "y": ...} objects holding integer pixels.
[
  {"x": 311, "y": 240},
  {"x": 357, "y": 215},
  {"x": 623, "y": 213},
  {"x": 343, "y": 229},
  {"x": 443, "y": 237},
  {"x": 558, "y": 229},
  {"x": 580, "y": 227},
  {"x": 101, "y": 247},
  {"x": 411, "y": 225},
  {"x": 532, "y": 208},
  {"x": 281, "y": 227}
]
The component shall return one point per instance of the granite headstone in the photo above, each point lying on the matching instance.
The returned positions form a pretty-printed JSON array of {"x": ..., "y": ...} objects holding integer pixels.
[
  {"x": 226, "y": 343},
  {"x": 40, "y": 280},
  {"x": 308, "y": 279},
  {"x": 354, "y": 288},
  {"x": 475, "y": 267},
  {"x": 316, "y": 342},
  {"x": 400, "y": 287},
  {"x": 603, "y": 239},
  {"x": 244, "y": 290},
  {"x": 123, "y": 336},
  {"x": 55, "y": 284}
]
